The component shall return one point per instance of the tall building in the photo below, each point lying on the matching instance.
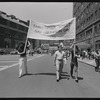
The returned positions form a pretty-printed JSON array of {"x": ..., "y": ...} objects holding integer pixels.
[
  {"x": 12, "y": 31},
  {"x": 87, "y": 23}
]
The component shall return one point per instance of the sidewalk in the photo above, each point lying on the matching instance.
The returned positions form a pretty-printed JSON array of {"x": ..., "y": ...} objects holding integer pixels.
[{"x": 87, "y": 61}]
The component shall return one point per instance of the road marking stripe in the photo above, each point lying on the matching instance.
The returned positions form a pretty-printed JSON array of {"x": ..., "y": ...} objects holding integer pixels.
[
  {"x": 18, "y": 63},
  {"x": 7, "y": 61}
]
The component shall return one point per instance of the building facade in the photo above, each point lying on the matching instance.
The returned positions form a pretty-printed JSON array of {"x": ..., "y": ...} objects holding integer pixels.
[
  {"x": 67, "y": 43},
  {"x": 12, "y": 31},
  {"x": 87, "y": 23}
]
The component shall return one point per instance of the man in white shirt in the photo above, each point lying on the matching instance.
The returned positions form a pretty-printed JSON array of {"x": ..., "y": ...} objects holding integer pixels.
[{"x": 58, "y": 61}]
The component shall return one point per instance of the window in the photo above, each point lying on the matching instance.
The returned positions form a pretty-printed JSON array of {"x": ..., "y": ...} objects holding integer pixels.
[
  {"x": 12, "y": 24},
  {"x": 99, "y": 26},
  {"x": 96, "y": 3},
  {"x": 3, "y": 21},
  {"x": 21, "y": 27},
  {"x": 95, "y": 29},
  {"x": 96, "y": 13}
]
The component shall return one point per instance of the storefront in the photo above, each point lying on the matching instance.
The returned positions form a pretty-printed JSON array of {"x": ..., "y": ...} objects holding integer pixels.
[{"x": 97, "y": 44}]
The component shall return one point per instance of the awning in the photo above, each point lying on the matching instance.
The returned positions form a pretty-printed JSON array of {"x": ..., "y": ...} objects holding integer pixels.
[{"x": 83, "y": 45}]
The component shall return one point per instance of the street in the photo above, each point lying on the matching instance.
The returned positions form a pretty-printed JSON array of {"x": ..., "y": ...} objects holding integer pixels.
[{"x": 41, "y": 80}]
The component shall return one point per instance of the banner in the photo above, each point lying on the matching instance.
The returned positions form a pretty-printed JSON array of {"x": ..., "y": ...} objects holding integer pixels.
[{"x": 58, "y": 31}]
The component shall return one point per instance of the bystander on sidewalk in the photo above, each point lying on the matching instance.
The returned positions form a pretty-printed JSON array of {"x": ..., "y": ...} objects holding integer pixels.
[{"x": 87, "y": 61}]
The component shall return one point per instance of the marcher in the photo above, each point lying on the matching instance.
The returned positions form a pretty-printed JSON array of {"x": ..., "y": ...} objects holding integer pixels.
[
  {"x": 97, "y": 60},
  {"x": 58, "y": 61},
  {"x": 61, "y": 43},
  {"x": 23, "y": 58},
  {"x": 74, "y": 63}
]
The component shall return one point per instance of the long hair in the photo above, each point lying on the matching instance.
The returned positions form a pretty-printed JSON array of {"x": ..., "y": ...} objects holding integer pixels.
[
  {"x": 20, "y": 47},
  {"x": 77, "y": 50}
]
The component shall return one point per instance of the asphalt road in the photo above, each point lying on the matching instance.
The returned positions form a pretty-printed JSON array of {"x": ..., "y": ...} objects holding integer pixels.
[{"x": 41, "y": 81}]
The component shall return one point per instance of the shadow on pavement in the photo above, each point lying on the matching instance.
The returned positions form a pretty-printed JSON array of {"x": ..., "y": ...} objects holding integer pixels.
[
  {"x": 65, "y": 75},
  {"x": 26, "y": 75},
  {"x": 53, "y": 74},
  {"x": 80, "y": 78}
]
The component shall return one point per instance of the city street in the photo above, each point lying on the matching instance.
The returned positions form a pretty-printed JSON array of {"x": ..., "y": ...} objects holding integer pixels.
[{"x": 41, "y": 80}]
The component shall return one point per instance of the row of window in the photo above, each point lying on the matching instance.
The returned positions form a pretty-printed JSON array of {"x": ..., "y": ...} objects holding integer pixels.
[
  {"x": 87, "y": 19},
  {"x": 13, "y": 25},
  {"x": 81, "y": 36},
  {"x": 11, "y": 33}
]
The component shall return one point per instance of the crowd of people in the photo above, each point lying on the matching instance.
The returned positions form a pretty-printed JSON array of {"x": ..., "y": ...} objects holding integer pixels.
[
  {"x": 92, "y": 54},
  {"x": 60, "y": 59}
]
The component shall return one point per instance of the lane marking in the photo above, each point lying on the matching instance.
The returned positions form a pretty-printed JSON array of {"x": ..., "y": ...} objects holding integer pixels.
[
  {"x": 18, "y": 63},
  {"x": 7, "y": 61}
]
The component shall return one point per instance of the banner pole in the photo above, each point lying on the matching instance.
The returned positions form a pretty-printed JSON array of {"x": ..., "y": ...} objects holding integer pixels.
[
  {"x": 74, "y": 46},
  {"x": 25, "y": 44},
  {"x": 26, "y": 38},
  {"x": 75, "y": 38}
]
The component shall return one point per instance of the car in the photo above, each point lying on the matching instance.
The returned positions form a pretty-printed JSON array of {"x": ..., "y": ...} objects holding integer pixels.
[
  {"x": 14, "y": 52},
  {"x": 2, "y": 52},
  {"x": 31, "y": 52}
]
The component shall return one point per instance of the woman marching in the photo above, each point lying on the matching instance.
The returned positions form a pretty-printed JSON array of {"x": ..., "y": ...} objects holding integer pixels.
[
  {"x": 74, "y": 62},
  {"x": 23, "y": 57}
]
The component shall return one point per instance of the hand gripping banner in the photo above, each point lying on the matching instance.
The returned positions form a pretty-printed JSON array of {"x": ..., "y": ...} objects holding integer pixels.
[{"x": 63, "y": 30}]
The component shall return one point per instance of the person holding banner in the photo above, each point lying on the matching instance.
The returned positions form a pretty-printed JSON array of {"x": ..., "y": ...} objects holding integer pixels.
[
  {"x": 74, "y": 62},
  {"x": 58, "y": 61},
  {"x": 23, "y": 57}
]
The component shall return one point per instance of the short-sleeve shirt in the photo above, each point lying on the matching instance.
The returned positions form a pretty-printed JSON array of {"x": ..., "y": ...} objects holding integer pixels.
[{"x": 59, "y": 55}]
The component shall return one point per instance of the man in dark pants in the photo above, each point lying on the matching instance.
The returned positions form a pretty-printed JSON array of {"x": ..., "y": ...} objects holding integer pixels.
[
  {"x": 97, "y": 60},
  {"x": 74, "y": 63}
]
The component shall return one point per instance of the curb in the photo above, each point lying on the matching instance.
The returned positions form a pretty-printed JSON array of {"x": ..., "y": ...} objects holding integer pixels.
[{"x": 87, "y": 63}]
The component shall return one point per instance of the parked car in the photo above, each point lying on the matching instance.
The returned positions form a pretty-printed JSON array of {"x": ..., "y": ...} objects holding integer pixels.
[
  {"x": 2, "y": 52},
  {"x": 31, "y": 52},
  {"x": 14, "y": 52}
]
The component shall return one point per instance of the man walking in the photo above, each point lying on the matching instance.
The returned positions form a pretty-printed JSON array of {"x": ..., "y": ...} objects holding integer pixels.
[{"x": 58, "y": 61}]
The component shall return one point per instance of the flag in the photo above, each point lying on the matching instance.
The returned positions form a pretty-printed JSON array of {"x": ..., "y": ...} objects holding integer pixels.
[{"x": 63, "y": 30}]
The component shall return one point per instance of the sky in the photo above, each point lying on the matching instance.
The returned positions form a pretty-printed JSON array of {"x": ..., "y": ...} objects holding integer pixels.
[{"x": 45, "y": 12}]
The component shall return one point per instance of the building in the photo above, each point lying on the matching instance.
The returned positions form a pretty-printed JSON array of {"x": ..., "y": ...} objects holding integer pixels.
[
  {"x": 12, "y": 31},
  {"x": 87, "y": 23}
]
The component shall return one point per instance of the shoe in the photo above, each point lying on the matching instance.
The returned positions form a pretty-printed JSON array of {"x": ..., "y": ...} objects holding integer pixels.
[
  {"x": 96, "y": 70},
  {"x": 57, "y": 80},
  {"x": 76, "y": 80},
  {"x": 20, "y": 76}
]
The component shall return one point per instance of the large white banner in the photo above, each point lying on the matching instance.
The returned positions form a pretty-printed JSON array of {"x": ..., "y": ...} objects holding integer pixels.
[{"x": 58, "y": 31}]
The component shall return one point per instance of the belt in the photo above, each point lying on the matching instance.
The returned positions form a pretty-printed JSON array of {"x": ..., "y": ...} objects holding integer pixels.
[{"x": 60, "y": 59}]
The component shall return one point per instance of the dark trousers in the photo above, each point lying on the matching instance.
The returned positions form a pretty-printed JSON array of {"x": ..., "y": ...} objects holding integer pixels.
[
  {"x": 72, "y": 67},
  {"x": 97, "y": 61}
]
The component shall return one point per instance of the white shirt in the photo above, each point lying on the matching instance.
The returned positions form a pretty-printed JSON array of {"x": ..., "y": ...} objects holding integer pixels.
[{"x": 59, "y": 55}]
